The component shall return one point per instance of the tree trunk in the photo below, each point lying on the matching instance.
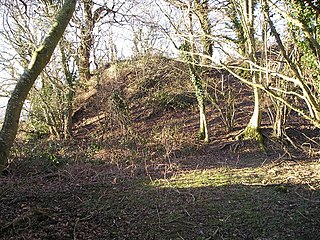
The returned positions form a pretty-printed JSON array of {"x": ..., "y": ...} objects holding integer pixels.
[
  {"x": 280, "y": 120},
  {"x": 310, "y": 100},
  {"x": 203, "y": 130},
  {"x": 202, "y": 11},
  {"x": 253, "y": 127},
  {"x": 67, "y": 114},
  {"x": 86, "y": 40},
  {"x": 38, "y": 62},
  {"x": 197, "y": 83},
  {"x": 193, "y": 61}
]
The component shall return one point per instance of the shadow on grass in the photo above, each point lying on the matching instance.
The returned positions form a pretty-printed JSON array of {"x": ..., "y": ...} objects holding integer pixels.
[{"x": 90, "y": 203}]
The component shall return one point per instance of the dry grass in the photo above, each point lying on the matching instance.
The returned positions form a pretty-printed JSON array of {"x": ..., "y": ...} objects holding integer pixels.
[{"x": 141, "y": 173}]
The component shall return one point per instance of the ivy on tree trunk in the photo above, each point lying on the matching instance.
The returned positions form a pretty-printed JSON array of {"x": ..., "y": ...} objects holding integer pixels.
[{"x": 39, "y": 60}]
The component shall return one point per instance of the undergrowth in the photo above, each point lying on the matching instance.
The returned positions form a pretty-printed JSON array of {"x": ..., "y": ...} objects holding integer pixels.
[{"x": 134, "y": 170}]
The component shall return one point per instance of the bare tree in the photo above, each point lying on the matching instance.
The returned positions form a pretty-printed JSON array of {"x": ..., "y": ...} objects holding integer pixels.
[
  {"x": 39, "y": 60},
  {"x": 298, "y": 91},
  {"x": 87, "y": 23},
  {"x": 247, "y": 17},
  {"x": 196, "y": 48}
]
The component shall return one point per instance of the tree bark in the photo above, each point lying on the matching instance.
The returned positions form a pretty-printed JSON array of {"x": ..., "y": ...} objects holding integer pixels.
[
  {"x": 87, "y": 37},
  {"x": 39, "y": 60},
  {"x": 67, "y": 115},
  {"x": 86, "y": 41},
  {"x": 195, "y": 77},
  {"x": 253, "y": 127},
  {"x": 197, "y": 83},
  {"x": 310, "y": 100},
  {"x": 202, "y": 11}
]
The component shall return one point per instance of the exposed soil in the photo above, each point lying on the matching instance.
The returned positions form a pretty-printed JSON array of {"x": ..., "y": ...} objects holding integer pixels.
[{"x": 144, "y": 175}]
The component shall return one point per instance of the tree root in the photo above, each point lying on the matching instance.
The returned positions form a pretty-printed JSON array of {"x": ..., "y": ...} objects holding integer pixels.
[
  {"x": 252, "y": 133},
  {"x": 233, "y": 146}
]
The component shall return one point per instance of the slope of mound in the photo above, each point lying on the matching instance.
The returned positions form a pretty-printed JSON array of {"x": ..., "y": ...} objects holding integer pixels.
[
  {"x": 133, "y": 91},
  {"x": 135, "y": 170}
]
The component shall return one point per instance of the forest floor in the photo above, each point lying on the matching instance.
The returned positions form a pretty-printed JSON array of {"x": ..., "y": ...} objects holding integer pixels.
[
  {"x": 152, "y": 179},
  {"x": 274, "y": 200}
]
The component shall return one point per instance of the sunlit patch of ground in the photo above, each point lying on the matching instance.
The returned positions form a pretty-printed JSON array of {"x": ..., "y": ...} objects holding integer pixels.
[{"x": 286, "y": 173}]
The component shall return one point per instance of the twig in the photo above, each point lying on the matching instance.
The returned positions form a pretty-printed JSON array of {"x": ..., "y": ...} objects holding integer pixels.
[
  {"x": 25, "y": 216},
  {"x": 74, "y": 228},
  {"x": 159, "y": 220},
  {"x": 307, "y": 199},
  {"x": 315, "y": 142}
]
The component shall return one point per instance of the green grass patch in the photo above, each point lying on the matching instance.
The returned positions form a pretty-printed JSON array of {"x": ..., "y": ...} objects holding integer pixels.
[{"x": 272, "y": 174}]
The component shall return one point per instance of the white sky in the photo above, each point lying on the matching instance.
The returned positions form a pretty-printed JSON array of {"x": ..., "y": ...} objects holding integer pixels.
[{"x": 122, "y": 38}]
